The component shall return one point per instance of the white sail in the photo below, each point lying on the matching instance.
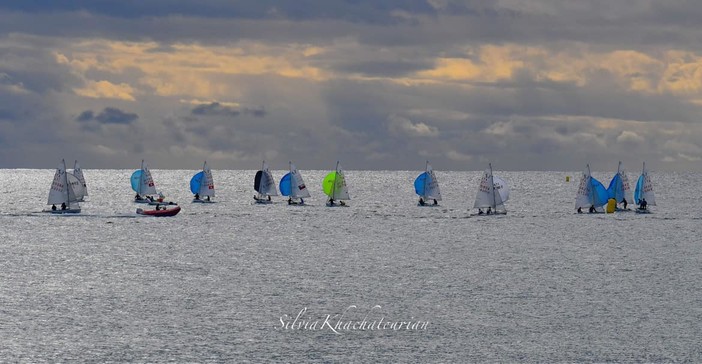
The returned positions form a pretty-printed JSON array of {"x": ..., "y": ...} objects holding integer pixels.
[
  {"x": 491, "y": 194},
  {"x": 78, "y": 172},
  {"x": 298, "y": 188},
  {"x": 76, "y": 187},
  {"x": 431, "y": 188},
  {"x": 147, "y": 186},
  {"x": 207, "y": 183},
  {"x": 340, "y": 191},
  {"x": 58, "y": 193},
  {"x": 583, "y": 197}
]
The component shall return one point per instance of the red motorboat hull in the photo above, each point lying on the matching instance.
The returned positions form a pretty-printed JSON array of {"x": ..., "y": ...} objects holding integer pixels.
[{"x": 167, "y": 212}]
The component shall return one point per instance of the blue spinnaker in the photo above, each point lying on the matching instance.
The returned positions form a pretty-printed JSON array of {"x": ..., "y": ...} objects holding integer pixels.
[
  {"x": 638, "y": 192},
  {"x": 136, "y": 180},
  {"x": 285, "y": 185},
  {"x": 420, "y": 183},
  {"x": 196, "y": 181},
  {"x": 616, "y": 188},
  {"x": 599, "y": 192}
]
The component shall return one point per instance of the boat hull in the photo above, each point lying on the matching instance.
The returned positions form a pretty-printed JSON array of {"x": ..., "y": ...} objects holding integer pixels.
[
  {"x": 162, "y": 203},
  {"x": 62, "y": 212},
  {"x": 196, "y": 200},
  {"x": 159, "y": 213}
]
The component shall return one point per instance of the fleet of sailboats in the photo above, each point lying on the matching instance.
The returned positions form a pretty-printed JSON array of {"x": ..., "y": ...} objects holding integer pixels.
[
  {"x": 334, "y": 186},
  {"x": 264, "y": 184},
  {"x": 69, "y": 188},
  {"x": 492, "y": 194},
  {"x": 427, "y": 187},
  {"x": 293, "y": 186}
]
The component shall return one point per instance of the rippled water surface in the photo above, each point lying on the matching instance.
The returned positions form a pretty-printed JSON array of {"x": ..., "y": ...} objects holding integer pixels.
[{"x": 213, "y": 283}]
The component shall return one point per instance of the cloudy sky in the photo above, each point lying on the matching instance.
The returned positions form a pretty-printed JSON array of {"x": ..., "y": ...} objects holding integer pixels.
[{"x": 377, "y": 84}]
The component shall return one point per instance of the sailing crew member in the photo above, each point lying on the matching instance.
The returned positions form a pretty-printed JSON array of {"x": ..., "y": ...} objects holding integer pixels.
[
  {"x": 624, "y": 203},
  {"x": 436, "y": 202},
  {"x": 53, "y": 207},
  {"x": 421, "y": 201},
  {"x": 63, "y": 206},
  {"x": 644, "y": 204},
  {"x": 580, "y": 210},
  {"x": 197, "y": 196},
  {"x": 480, "y": 211},
  {"x": 489, "y": 211},
  {"x": 592, "y": 209}
]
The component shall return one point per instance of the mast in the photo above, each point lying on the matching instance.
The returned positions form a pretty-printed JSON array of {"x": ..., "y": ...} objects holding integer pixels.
[
  {"x": 141, "y": 178},
  {"x": 203, "y": 181},
  {"x": 291, "y": 179},
  {"x": 492, "y": 185},
  {"x": 426, "y": 170},
  {"x": 336, "y": 174},
  {"x": 67, "y": 195}
]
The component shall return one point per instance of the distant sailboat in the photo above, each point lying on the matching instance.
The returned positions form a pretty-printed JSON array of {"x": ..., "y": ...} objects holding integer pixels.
[
  {"x": 334, "y": 186},
  {"x": 264, "y": 184},
  {"x": 493, "y": 192},
  {"x": 81, "y": 188},
  {"x": 427, "y": 187},
  {"x": 643, "y": 195},
  {"x": 61, "y": 193},
  {"x": 143, "y": 184},
  {"x": 619, "y": 188},
  {"x": 591, "y": 194},
  {"x": 202, "y": 185},
  {"x": 293, "y": 185}
]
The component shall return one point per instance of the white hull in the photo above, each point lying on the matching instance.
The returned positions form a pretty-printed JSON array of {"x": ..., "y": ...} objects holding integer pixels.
[
  {"x": 154, "y": 203},
  {"x": 329, "y": 204},
  {"x": 197, "y": 200}
]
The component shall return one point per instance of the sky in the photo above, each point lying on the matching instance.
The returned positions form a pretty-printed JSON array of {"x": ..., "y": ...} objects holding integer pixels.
[{"x": 376, "y": 84}]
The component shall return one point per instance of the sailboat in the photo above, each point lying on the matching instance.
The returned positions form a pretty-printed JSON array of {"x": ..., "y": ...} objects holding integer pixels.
[
  {"x": 643, "y": 195},
  {"x": 80, "y": 188},
  {"x": 493, "y": 192},
  {"x": 293, "y": 185},
  {"x": 591, "y": 194},
  {"x": 334, "y": 186},
  {"x": 264, "y": 184},
  {"x": 61, "y": 193},
  {"x": 143, "y": 184},
  {"x": 202, "y": 185},
  {"x": 619, "y": 188},
  {"x": 427, "y": 187}
]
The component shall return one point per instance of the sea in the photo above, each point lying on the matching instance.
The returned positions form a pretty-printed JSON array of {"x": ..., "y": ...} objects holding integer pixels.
[{"x": 381, "y": 280}]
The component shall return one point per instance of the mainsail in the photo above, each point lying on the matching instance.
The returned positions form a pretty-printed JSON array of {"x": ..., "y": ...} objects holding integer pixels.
[
  {"x": 644, "y": 188},
  {"x": 264, "y": 183},
  {"x": 78, "y": 172},
  {"x": 334, "y": 184},
  {"x": 427, "y": 186},
  {"x": 591, "y": 192},
  {"x": 293, "y": 185}
]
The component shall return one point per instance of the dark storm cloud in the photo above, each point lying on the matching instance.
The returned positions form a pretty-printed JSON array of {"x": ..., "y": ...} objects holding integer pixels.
[
  {"x": 109, "y": 115},
  {"x": 217, "y": 109}
]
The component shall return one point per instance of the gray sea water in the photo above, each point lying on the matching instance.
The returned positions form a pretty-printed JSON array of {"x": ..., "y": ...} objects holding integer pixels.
[{"x": 224, "y": 282}]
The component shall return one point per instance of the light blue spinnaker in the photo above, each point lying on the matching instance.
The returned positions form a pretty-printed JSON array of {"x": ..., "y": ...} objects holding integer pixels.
[
  {"x": 420, "y": 183},
  {"x": 136, "y": 180},
  {"x": 196, "y": 182},
  {"x": 286, "y": 185},
  {"x": 599, "y": 193},
  {"x": 615, "y": 189}
]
